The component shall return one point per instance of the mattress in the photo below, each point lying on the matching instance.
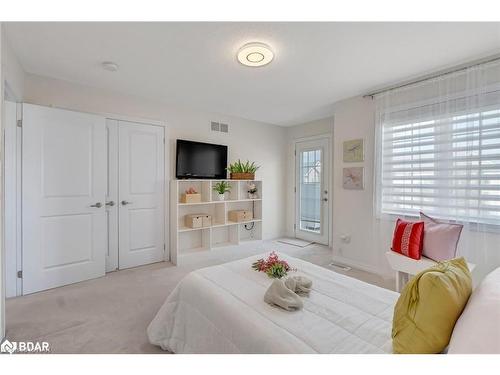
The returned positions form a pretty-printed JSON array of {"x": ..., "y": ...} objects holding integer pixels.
[{"x": 221, "y": 309}]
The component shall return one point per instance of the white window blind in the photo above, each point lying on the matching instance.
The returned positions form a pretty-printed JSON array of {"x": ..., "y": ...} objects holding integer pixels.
[{"x": 446, "y": 164}]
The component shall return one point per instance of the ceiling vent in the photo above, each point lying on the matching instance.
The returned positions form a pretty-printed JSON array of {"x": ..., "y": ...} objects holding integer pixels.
[{"x": 219, "y": 127}]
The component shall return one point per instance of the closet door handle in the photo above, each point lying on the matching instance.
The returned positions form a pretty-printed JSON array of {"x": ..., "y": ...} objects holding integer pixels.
[
  {"x": 110, "y": 203},
  {"x": 124, "y": 203},
  {"x": 97, "y": 205}
]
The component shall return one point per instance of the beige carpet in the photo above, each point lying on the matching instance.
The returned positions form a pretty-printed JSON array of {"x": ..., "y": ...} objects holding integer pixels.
[{"x": 110, "y": 314}]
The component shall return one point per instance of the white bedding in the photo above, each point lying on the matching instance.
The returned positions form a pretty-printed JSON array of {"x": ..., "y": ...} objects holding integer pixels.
[{"x": 221, "y": 309}]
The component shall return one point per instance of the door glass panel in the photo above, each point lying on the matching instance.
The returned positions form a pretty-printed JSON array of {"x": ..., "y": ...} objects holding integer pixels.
[{"x": 310, "y": 190}]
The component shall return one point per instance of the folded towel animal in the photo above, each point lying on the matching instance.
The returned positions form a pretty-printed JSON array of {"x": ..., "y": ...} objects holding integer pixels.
[
  {"x": 279, "y": 294},
  {"x": 284, "y": 293},
  {"x": 299, "y": 284}
]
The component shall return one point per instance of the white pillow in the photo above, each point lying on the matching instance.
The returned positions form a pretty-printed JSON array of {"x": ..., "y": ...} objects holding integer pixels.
[{"x": 478, "y": 328}]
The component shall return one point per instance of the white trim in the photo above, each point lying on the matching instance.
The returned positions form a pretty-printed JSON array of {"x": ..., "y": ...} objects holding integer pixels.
[
  {"x": 313, "y": 137},
  {"x": 12, "y": 180},
  {"x": 107, "y": 115}
]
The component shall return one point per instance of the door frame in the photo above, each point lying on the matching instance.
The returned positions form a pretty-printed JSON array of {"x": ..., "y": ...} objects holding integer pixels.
[
  {"x": 17, "y": 138},
  {"x": 328, "y": 182},
  {"x": 13, "y": 194}
]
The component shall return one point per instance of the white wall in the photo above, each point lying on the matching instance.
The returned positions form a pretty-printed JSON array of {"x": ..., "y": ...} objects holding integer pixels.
[
  {"x": 263, "y": 143},
  {"x": 353, "y": 210},
  {"x": 294, "y": 133},
  {"x": 2, "y": 273},
  {"x": 13, "y": 72}
]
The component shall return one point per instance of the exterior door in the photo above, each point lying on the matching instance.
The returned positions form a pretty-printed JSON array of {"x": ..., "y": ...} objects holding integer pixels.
[
  {"x": 63, "y": 191},
  {"x": 312, "y": 188},
  {"x": 141, "y": 194}
]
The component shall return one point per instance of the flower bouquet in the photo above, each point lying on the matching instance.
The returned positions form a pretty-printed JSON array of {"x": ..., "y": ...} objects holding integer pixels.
[{"x": 272, "y": 266}]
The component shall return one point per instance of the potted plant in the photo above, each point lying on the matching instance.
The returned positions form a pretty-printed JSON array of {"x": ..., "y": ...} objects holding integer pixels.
[
  {"x": 221, "y": 188},
  {"x": 242, "y": 171}
]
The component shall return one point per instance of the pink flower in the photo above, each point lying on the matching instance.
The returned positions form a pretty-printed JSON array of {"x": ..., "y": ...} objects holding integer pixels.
[{"x": 262, "y": 265}]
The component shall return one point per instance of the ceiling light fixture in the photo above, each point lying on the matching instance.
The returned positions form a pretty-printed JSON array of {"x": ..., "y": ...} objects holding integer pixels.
[
  {"x": 110, "y": 66},
  {"x": 255, "y": 54}
]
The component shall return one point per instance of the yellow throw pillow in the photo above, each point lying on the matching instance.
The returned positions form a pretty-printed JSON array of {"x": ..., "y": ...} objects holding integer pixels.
[{"x": 429, "y": 307}]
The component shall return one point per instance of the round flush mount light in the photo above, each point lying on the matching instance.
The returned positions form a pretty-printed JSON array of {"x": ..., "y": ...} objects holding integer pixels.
[
  {"x": 110, "y": 66},
  {"x": 255, "y": 54}
]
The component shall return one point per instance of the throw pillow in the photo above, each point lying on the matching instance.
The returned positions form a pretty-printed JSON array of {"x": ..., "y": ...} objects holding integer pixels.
[
  {"x": 408, "y": 238},
  {"x": 440, "y": 239},
  {"x": 429, "y": 306}
]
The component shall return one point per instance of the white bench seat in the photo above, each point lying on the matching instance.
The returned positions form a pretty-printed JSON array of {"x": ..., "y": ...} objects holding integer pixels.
[{"x": 405, "y": 266}]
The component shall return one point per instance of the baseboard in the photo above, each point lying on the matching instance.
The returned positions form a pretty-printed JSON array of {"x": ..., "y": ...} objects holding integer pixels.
[{"x": 358, "y": 265}]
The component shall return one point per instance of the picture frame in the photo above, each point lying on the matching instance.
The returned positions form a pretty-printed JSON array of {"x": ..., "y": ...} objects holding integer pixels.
[
  {"x": 353, "y": 178},
  {"x": 353, "y": 151}
]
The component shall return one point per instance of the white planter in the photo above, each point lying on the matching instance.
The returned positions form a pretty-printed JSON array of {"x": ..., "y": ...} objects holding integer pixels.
[{"x": 222, "y": 197}]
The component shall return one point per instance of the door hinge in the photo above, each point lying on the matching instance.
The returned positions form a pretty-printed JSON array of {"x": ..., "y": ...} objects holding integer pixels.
[
  {"x": 164, "y": 247},
  {"x": 295, "y": 189},
  {"x": 19, "y": 123},
  {"x": 19, "y": 274},
  {"x": 294, "y": 226}
]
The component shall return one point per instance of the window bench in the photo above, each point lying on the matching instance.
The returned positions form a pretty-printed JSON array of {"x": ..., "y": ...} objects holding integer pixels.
[{"x": 405, "y": 267}]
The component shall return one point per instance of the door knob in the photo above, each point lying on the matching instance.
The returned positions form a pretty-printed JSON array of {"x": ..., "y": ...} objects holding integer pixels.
[
  {"x": 97, "y": 205},
  {"x": 110, "y": 203},
  {"x": 325, "y": 199},
  {"x": 124, "y": 203}
]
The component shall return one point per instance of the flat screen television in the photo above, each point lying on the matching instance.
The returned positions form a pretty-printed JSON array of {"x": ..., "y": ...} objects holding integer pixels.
[{"x": 200, "y": 160}]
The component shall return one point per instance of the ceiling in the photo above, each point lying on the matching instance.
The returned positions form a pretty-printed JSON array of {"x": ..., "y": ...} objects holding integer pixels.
[{"x": 194, "y": 64}]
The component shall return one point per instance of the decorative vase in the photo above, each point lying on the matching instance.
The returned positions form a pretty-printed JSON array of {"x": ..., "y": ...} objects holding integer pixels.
[
  {"x": 253, "y": 196},
  {"x": 221, "y": 197}
]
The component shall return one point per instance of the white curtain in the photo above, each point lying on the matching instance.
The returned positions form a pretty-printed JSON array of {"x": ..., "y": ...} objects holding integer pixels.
[{"x": 438, "y": 151}]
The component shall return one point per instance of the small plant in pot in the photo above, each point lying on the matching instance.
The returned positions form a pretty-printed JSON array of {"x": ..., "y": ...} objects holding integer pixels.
[
  {"x": 221, "y": 188},
  {"x": 242, "y": 171}
]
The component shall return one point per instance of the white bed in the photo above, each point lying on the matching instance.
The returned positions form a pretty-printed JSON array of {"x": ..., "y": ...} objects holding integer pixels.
[{"x": 221, "y": 309}]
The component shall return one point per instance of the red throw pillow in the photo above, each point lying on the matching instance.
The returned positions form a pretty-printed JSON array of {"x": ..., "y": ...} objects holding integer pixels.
[{"x": 408, "y": 238}]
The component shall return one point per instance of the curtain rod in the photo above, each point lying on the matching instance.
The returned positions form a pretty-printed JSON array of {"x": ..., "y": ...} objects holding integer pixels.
[{"x": 435, "y": 75}]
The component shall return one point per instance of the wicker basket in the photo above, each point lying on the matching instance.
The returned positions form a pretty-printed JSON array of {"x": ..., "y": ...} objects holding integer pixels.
[{"x": 242, "y": 176}]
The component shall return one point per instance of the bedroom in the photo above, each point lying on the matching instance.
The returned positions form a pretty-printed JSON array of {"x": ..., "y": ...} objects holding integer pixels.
[{"x": 149, "y": 166}]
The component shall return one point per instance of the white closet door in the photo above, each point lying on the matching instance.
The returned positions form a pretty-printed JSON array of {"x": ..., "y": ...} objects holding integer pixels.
[
  {"x": 112, "y": 195},
  {"x": 64, "y": 182},
  {"x": 141, "y": 191}
]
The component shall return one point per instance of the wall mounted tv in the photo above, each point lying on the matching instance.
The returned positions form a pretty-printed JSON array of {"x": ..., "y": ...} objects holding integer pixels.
[{"x": 200, "y": 160}]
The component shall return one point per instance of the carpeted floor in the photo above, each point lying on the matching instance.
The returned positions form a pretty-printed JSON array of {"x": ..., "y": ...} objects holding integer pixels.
[{"x": 110, "y": 314}]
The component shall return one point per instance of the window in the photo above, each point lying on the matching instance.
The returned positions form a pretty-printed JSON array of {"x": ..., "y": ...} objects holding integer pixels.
[{"x": 445, "y": 165}]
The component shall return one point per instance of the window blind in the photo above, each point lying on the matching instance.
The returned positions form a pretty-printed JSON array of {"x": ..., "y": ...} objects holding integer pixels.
[{"x": 446, "y": 163}]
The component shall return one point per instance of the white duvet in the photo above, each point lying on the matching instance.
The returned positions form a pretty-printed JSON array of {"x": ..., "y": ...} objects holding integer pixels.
[{"x": 221, "y": 309}]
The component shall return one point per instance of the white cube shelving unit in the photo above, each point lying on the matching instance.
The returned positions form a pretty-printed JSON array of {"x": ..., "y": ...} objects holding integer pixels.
[{"x": 223, "y": 232}]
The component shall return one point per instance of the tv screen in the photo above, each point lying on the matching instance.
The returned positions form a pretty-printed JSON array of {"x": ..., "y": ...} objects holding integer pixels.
[{"x": 200, "y": 160}]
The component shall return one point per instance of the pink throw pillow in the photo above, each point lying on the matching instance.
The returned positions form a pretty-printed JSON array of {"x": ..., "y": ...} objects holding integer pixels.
[{"x": 440, "y": 239}]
